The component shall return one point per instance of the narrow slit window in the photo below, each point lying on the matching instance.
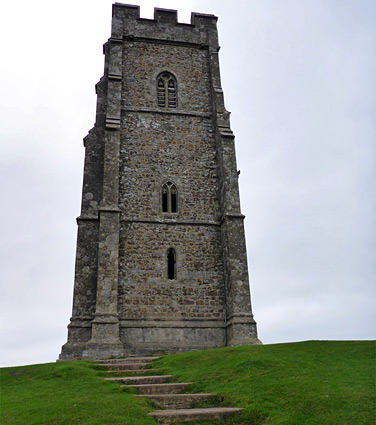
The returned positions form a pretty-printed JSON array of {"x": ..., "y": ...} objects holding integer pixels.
[
  {"x": 164, "y": 198},
  {"x": 169, "y": 198},
  {"x": 171, "y": 94},
  {"x": 161, "y": 93},
  {"x": 166, "y": 91},
  {"x": 171, "y": 264},
  {"x": 173, "y": 199}
]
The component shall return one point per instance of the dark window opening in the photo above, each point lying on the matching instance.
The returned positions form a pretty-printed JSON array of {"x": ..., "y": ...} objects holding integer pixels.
[
  {"x": 169, "y": 198},
  {"x": 166, "y": 91},
  {"x": 171, "y": 263},
  {"x": 164, "y": 198},
  {"x": 173, "y": 202},
  {"x": 173, "y": 199}
]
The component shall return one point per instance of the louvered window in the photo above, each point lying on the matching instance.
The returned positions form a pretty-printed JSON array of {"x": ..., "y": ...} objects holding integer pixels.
[{"x": 166, "y": 91}]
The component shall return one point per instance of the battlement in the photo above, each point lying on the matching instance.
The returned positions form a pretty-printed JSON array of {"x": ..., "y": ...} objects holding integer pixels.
[{"x": 165, "y": 16}]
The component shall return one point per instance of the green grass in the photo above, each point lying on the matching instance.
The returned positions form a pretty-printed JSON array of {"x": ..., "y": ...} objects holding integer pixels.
[
  {"x": 306, "y": 383},
  {"x": 67, "y": 393},
  {"x": 314, "y": 382}
]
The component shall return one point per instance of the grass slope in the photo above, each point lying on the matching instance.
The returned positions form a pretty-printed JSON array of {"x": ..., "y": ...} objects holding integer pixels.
[
  {"x": 66, "y": 394},
  {"x": 314, "y": 382}
]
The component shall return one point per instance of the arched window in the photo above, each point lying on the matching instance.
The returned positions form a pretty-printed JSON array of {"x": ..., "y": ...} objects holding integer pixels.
[
  {"x": 169, "y": 198},
  {"x": 166, "y": 90},
  {"x": 171, "y": 264}
]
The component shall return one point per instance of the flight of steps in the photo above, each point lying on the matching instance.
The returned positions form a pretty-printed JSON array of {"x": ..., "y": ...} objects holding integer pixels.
[{"x": 175, "y": 406}]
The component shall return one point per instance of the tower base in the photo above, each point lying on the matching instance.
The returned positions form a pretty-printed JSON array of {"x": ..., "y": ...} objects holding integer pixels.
[{"x": 242, "y": 330}]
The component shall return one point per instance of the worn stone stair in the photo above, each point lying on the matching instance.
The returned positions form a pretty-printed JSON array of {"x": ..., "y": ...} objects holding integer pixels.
[
  {"x": 129, "y": 360},
  {"x": 132, "y": 371},
  {"x": 188, "y": 415},
  {"x": 140, "y": 380},
  {"x": 176, "y": 407},
  {"x": 128, "y": 365},
  {"x": 176, "y": 401},
  {"x": 170, "y": 388},
  {"x": 123, "y": 366}
]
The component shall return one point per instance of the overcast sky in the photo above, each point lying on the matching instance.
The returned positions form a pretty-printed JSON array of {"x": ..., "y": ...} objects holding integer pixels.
[{"x": 299, "y": 79}]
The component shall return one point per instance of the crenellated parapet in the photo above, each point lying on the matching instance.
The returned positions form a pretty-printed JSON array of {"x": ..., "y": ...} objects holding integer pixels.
[{"x": 127, "y": 23}]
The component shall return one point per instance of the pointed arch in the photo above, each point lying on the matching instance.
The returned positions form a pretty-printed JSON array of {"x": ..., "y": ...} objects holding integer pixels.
[
  {"x": 166, "y": 90},
  {"x": 169, "y": 196}
]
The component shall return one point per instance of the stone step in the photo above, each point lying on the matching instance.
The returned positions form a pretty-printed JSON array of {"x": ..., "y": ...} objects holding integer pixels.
[
  {"x": 130, "y": 360},
  {"x": 122, "y": 366},
  {"x": 172, "y": 388},
  {"x": 176, "y": 401},
  {"x": 133, "y": 371},
  {"x": 139, "y": 380},
  {"x": 189, "y": 415}
]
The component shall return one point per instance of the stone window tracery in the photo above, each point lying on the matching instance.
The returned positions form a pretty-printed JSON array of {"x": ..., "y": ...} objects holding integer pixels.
[
  {"x": 169, "y": 198},
  {"x": 166, "y": 90}
]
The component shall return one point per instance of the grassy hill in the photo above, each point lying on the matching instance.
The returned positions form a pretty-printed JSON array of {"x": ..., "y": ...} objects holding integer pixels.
[{"x": 307, "y": 383}]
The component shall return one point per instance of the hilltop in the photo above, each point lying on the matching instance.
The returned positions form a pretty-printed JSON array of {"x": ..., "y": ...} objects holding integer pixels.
[{"x": 313, "y": 382}]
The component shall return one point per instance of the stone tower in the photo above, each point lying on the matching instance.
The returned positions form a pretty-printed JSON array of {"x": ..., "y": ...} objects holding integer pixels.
[{"x": 161, "y": 258}]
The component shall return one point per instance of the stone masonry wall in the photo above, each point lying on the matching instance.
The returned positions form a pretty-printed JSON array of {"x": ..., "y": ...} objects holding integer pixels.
[
  {"x": 143, "y": 62},
  {"x": 146, "y": 293},
  {"x": 177, "y": 145},
  {"x": 157, "y": 148}
]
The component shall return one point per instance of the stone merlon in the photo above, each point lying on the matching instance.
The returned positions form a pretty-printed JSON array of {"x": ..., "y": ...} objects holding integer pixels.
[{"x": 165, "y": 16}]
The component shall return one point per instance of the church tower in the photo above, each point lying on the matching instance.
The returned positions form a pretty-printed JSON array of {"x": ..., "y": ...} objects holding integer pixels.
[{"x": 161, "y": 260}]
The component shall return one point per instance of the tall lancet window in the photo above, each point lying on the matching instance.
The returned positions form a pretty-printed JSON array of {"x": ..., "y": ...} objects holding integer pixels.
[
  {"x": 171, "y": 264},
  {"x": 166, "y": 90},
  {"x": 169, "y": 198}
]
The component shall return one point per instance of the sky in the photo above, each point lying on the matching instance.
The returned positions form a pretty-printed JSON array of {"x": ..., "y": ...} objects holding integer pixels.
[{"x": 299, "y": 79}]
